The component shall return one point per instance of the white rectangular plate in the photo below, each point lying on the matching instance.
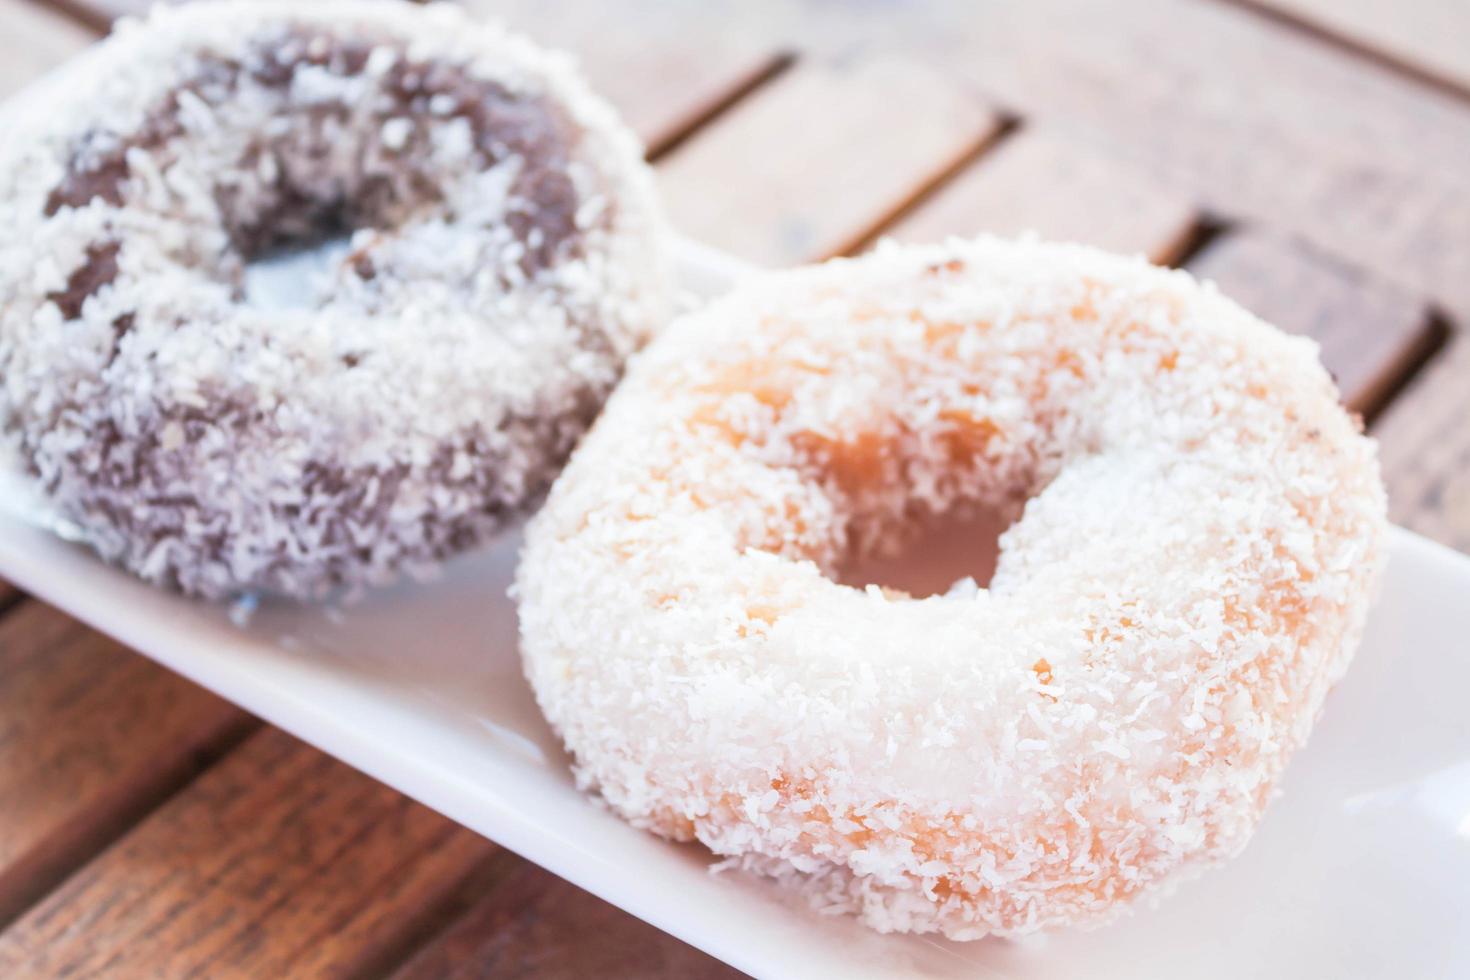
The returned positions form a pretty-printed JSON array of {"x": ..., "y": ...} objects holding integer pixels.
[{"x": 1361, "y": 869}]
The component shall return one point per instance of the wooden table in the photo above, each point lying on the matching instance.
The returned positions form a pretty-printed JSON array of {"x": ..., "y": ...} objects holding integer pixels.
[{"x": 1312, "y": 156}]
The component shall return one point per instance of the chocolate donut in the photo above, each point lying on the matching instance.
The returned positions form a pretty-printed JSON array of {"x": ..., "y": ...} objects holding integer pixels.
[{"x": 505, "y": 258}]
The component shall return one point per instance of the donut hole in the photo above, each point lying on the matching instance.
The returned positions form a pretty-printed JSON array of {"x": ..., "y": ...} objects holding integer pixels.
[
  {"x": 914, "y": 505},
  {"x": 290, "y": 277},
  {"x": 918, "y": 501},
  {"x": 933, "y": 553}
]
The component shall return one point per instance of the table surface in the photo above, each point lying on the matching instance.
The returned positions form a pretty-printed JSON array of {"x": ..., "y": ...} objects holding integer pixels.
[{"x": 1311, "y": 156}]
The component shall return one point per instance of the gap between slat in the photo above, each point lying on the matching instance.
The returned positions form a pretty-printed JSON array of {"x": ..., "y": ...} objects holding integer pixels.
[
  {"x": 92, "y": 736},
  {"x": 800, "y": 170},
  {"x": 1007, "y": 126},
  {"x": 1374, "y": 335},
  {"x": 1343, "y": 40},
  {"x": 740, "y": 89},
  {"x": 1038, "y": 180}
]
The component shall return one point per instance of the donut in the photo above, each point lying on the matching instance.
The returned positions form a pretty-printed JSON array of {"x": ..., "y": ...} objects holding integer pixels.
[
  {"x": 1200, "y": 531},
  {"x": 505, "y": 256}
]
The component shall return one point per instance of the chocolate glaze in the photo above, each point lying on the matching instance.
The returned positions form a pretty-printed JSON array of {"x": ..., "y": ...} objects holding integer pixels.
[{"x": 99, "y": 269}]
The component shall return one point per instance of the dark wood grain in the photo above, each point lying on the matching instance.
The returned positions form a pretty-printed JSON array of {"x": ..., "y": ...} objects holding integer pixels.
[
  {"x": 534, "y": 925},
  {"x": 795, "y": 172},
  {"x": 1062, "y": 189},
  {"x": 1372, "y": 333},
  {"x": 91, "y": 736},
  {"x": 277, "y": 862}
]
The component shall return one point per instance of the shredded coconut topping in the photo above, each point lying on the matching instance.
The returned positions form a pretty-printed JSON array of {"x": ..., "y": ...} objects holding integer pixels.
[
  {"x": 1201, "y": 529},
  {"x": 506, "y": 256}
]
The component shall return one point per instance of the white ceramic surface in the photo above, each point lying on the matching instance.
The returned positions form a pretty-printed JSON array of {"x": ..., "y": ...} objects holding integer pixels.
[{"x": 1361, "y": 869}]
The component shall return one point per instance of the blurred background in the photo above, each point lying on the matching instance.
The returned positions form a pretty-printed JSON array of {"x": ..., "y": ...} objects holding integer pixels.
[{"x": 1311, "y": 156}]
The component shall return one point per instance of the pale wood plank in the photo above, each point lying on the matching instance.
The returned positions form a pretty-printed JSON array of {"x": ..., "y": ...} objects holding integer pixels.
[
  {"x": 533, "y": 924},
  {"x": 1430, "y": 37},
  {"x": 1371, "y": 333},
  {"x": 277, "y": 862},
  {"x": 32, "y": 40},
  {"x": 1062, "y": 189},
  {"x": 1251, "y": 120},
  {"x": 1424, "y": 444},
  {"x": 667, "y": 67},
  {"x": 801, "y": 169},
  {"x": 90, "y": 737}
]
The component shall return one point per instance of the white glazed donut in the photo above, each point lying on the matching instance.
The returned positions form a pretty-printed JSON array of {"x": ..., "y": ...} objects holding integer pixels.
[
  {"x": 506, "y": 257},
  {"x": 1203, "y": 527}
]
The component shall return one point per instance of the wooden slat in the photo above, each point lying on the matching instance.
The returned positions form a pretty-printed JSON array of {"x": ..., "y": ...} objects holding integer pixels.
[
  {"x": 90, "y": 736},
  {"x": 1253, "y": 121},
  {"x": 1061, "y": 189},
  {"x": 1371, "y": 333},
  {"x": 665, "y": 66},
  {"x": 1427, "y": 37},
  {"x": 804, "y": 168},
  {"x": 535, "y": 925},
  {"x": 32, "y": 40},
  {"x": 277, "y": 862},
  {"x": 1424, "y": 443}
]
